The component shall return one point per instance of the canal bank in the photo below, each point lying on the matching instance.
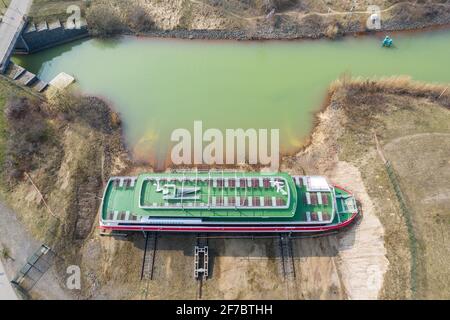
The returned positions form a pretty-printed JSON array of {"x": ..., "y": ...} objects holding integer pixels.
[{"x": 263, "y": 20}]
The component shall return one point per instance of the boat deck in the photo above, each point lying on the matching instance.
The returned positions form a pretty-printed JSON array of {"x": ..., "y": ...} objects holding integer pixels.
[
  {"x": 224, "y": 198},
  {"x": 216, "y": 193},
  {"x": 202, "y": 196}
]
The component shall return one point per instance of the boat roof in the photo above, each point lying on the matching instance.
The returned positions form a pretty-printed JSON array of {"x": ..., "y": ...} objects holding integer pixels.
[
  {"x": 317, "y": 183},
  {"x": 208, "y": 194}
]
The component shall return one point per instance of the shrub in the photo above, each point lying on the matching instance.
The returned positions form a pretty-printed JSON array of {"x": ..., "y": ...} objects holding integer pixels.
[
  {"x": 138, "y": 19},
  {"x": 27, "y": 132},
  {"x": 16, "y": 108},
  {"x": 103, "y": 20},
  {"x": 278, "y": 5},
  {"x": 4, "y": 252},
  {"x": 334, "y": 31},
  {"x": 115, "y": 120}
]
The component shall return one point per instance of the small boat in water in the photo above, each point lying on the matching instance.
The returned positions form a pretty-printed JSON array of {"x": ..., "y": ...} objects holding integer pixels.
[
  {"x": 388, "y": 42},
  {"x": 225, "y": 201}
]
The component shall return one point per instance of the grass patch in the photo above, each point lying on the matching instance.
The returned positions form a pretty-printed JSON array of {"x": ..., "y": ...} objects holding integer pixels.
[{"x": 5, "y": 253}]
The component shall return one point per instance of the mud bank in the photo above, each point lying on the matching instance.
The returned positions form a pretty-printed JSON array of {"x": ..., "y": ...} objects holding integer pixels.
[
  {"x": 267, "y": 35},
  {"x": 311, "y": 20}
]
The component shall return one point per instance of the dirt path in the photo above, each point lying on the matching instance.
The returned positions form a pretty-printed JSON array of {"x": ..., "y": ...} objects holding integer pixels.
[
  {"x": 362, "y": 254},
  {"x": 20, "y": 245},
  {"x": 299, "y": 14},
  {"x": 391, "y": 144},
  {"x": 6, "y": 291}
]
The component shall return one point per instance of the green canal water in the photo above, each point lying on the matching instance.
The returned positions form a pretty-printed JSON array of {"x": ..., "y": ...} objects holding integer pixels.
[{"x": 159, "y": 85}]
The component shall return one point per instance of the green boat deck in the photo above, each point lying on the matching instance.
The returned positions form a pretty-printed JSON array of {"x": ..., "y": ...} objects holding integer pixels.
[{"x": 225, "y": 196}]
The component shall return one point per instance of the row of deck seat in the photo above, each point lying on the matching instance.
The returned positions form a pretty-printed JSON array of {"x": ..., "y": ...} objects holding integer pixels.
[
  {"x": 124, "y": 182},
  {"x": 317, "y": 216},
  {"x": 265, "y": 183},
  {"x": 299, "y": 181},
  {"x": 315, "y": 198},
  {"x": 248, "y": 201},
  {"x": 121, "y": 215},
  {"x": 271, "y": 202}
]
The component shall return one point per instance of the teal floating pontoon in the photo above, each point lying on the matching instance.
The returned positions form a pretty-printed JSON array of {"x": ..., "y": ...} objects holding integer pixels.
[{"x": 388, "y": 42}]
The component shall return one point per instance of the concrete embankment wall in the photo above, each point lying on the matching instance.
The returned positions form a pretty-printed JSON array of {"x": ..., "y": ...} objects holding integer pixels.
[
  {"x": 45, "y": 35},
  {"x": 23, "y": 77}
]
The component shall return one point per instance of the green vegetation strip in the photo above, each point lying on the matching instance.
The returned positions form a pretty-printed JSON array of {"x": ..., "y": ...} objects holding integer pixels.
[{"x": 406, "y": 211}]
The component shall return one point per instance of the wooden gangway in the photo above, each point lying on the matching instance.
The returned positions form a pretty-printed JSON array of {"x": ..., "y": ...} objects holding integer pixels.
[
  {"x": 287, "y": 256},
  {"x": 11, "y": 26},
  {"x": 148, "y": 261}
]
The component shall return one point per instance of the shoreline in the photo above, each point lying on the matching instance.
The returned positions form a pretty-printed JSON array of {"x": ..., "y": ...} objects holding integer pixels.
[
  {"x": 242, "y": 35},
  {"x": 251, "y": 22}
]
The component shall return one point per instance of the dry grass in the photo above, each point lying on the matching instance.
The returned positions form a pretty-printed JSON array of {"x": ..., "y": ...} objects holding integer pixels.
[
  {"x": 6, "y": 91},
  {"x": 400, "y": 85},
  {"x": 423, "y": 179},
  {"x": 292, "y": 18},
  {"x": 412, "y": 120},
  {"x": 83, "y": 144}
]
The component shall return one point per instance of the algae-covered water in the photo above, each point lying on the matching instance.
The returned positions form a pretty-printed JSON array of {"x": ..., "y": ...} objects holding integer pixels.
[{"x": 159, "y": 85}]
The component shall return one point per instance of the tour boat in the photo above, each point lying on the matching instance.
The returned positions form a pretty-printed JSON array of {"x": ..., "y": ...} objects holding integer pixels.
[{"x": 225, "y": 201}]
